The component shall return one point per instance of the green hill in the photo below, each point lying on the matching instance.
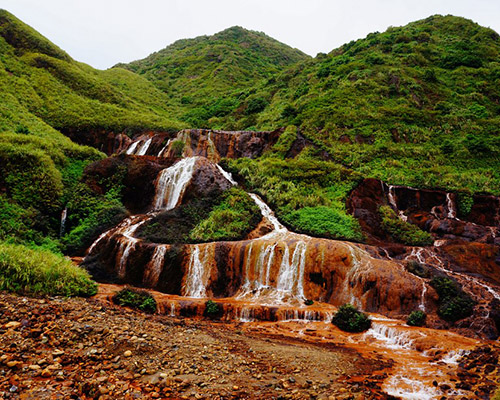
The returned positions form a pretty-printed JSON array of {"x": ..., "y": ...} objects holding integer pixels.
[
  {"x": 416, "y": 105},
  {"x": 206, "y": 76}
]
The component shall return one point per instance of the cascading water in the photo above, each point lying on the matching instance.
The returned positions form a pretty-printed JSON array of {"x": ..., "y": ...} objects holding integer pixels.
[
  {"x": 144, "y": 148},
  {"x": 268, "y": 214},
  {"x": 198, "y": 272},
  {"x": 291, "y": 274},
  {"x": 154, "y": 267},
  {"x": 172, "y": 182},
  {"x": 132, "y": 148},
  {"x": 165, "y": 149},
  {"x": 450, "y": 205},
  {"x": 64, "y": 215},
  {"x": 226, "y": 175},
  {"x": 392, "y": 201}
]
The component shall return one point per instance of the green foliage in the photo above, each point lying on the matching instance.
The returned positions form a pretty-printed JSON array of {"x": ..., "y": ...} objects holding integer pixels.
[
  {"x": 417, "y": 269},
  {"x": 465, "y": 203},
  {"x": 349, "y": 319},
  {"x": 454, "y": 304},
  {"x": 416, "y": 318},
  {"x": 177, "y": 147},
  {"x": 309, "y": 302},
  {"x": 235, "y": 215},
  {"x": 40, "y": 272},
  {"x": 307, "y": 194},
  {"x": 325, "y": 221},
  {"x": 285, "y": 141},
  {"x": 211, "y": 308},
  {"x": 138, "y": 299},
  {"x": 402, "y": 231}
]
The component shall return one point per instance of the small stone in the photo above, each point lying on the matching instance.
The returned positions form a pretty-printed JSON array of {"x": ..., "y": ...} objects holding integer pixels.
[
  {"x": 127, "y": 353},
  {"x": 34, "y": 367},
  {"x": 13, "y": 364},
  {"x": 46, "y": 373},
  {"x": 236, "y": 387},
  {"x": 12, "y": 324}
]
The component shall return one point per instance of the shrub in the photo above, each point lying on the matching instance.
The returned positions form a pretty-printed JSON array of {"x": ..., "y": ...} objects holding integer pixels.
[
  {"x": 40, "y": 272},
  {"x": 417, "y": 268},
  {"x": 454, "y": 304},
  {"x": 402, "y": 231},
  {"x": 234, "y": 216},
  {"x": 285, "y": 141},
  {"x": 212, "y": 309},
  {"x": 349, "y": 319},
  {"x": 138, "y": 299},
  {"x": 256, "y": 105},
  {"x": 177, "y": 148},
  {"x": 416, "y": 318}
]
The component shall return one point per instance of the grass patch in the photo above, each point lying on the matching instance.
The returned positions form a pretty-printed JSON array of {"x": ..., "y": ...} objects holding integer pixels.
[
  {"x": 40, "y": 272},
  {"x": 234, "y": 216},
  {"x": 138, "y": 299},
  {"x": 402, "y": 231}
]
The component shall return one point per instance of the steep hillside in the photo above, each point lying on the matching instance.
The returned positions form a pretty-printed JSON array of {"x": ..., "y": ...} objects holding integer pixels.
[
  {"x": 44, "y": 93},
  {"x": 415, "y": 105},
  {"x": 206, "y": 77}
]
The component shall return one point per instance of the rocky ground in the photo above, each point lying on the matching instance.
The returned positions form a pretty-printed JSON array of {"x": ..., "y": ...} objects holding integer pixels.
[{"x": 83, "y": 348}]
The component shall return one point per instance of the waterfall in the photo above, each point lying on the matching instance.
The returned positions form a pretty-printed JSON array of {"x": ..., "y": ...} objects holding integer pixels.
[
  {"x": 347, "y": 290},
  {"x": 64, "y": 215},
  {"x": 125, "y": 247},
  {"x": 153, "y": 269},
  {"x": 144, "y": 148},
  {"x": 291, "y": 274},
  {"x": 197, "y": 275},
  {"x": 132, "y": 148},
  {"x": 392, "y": 201},
  {"x": 172, "y": 182},
  {"x": 268, "y": 214},
  {"x": 257, "y": 275},
  {"x": 450, "y": 205},
  {"x": 165, "y": 149},
  {"x": 226, "y": 175},
  {"x": 391, "y": 337},
  {"x": 422, "y": 297}
]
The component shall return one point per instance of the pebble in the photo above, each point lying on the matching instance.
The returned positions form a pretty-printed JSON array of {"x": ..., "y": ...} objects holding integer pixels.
[{"x": 127, "y": 353}]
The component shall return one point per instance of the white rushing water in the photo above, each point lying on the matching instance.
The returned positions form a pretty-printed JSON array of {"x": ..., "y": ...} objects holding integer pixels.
[
  {"x": 172, "y": 182},
  {"x": 165, "y": 149},
  {"x": 132, "y": 147},
  {"x": 268, "y": 214},
  {"x": 64, "y": 215},
  {"x": 198, "y": 272},
  {"x": 392, "y": 201},
  {"x": 153, "y": 269},
  {"x": 226, "y": 175},
  {"x": 291, "y": 273},
  {"x": 391, "y": 337},
  {"x": 144, "y": 148},
  {"x": 450, "y": 205}
]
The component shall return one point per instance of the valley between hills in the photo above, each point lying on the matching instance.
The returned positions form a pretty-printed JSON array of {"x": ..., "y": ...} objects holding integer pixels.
[{"x": 231, "y": 218}]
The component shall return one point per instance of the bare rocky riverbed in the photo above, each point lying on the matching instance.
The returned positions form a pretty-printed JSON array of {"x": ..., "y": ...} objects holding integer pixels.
[{"x": 91, "y": 349}]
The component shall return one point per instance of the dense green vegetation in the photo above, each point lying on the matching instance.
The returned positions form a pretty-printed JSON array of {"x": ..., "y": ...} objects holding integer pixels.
[
  {"x": 454, "y": 304},
  {"x": 229, "y": 216},
  {"x": 416, "y": 318},
  {"x": 234, "y": 216},
  {"x": 350, "y": 319},
  {"x": 212, "y": 309},
  {"x": 40, "y": 272},
  {"x": 210, "y": 77},
  {"x": 402, "y": 231},
  {"x": 307, "y": 194},
  {"x": 416, "y": 105},
  {"x": 133, "y": 298}
]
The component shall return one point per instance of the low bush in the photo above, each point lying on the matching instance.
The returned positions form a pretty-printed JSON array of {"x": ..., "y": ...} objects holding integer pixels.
[
  {"x": 402, "y": 231},
  {"x": 40, "y": 272},
  {"x": 416, "y": 318},
  {"x": 234, "y": 216},
  {"x": 212, "y": 309},
  {"x": 417, "y": 269},
  {"x": 454, "y": 304},
  {"x": 349, "y": 319},
  {"x": 138, "y": 299}
]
